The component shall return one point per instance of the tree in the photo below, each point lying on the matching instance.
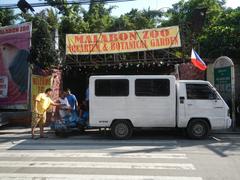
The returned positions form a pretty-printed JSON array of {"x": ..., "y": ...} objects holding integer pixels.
[
  {"x": 71, "y": 24},
  {"x": 182, "y": 14},
  {"x": 135, "y": 20},
  {"x": 222, "y": 36},
  {"x": 7, "y": 17},
  {"x": 52, "y": 19},
  {"x": 61, "y": 5},
  {"x": 74, "y": 22},
  {"x": 43, "y": 53},
  {"x": 98, "y": 17}
]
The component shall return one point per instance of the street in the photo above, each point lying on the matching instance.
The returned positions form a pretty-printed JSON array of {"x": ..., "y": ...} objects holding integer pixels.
[{"x": 93, "y": 155}]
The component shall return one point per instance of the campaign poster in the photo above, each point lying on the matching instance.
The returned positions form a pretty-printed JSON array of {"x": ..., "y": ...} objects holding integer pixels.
[
  {"x": 14, "y": 67},
  {"x": 39, "y": 85}
]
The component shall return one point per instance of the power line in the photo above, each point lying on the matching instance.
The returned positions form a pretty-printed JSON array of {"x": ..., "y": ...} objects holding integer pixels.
[{"x": 82, "y": 2}]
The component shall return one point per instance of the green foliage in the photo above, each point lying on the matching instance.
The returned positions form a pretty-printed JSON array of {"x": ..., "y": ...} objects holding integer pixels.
[
  {"x": 52, "y": 19},
  {"x": 219, "y": 32},
  {"x": 7, "y": 17},
  {"x": 135, "y": 20},
  {"x": 74, "y": 23},
  {"x": 61, "y": 5},
  {"x": 181, "y": 13},
  {"x": 44, "y": 25},
  {"x": 98, "y": 17},
  {"x": 222, "y": 36},
  {"x": 43, "y": 52},
  {"x": 71, "y": 24}
]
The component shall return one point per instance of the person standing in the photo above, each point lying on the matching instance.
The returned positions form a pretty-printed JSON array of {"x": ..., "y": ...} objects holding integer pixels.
[
  {"x": 72, "y": 100},
  {"x": 42, "y": 103},
  {"x": 65, "y": 106}
]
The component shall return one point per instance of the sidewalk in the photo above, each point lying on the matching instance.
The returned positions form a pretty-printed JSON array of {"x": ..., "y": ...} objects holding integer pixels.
[
  {"x": 227, "y": 131},
  {"x": 27, "y": 130}
]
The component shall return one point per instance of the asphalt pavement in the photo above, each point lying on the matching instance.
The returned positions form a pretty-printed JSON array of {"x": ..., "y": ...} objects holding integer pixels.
[{"x": 148, "y": 155}]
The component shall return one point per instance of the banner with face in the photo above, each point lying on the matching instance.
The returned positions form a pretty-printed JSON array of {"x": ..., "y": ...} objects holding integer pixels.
[{"x": 14, "y": 68}]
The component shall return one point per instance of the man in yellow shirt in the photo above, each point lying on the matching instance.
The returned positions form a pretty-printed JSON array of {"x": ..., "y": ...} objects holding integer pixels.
[{"x": 42, "y": 103}]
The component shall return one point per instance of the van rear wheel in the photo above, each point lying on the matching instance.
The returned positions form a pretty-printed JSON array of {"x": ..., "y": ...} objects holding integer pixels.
[
  {"x": 198, "y": 129},
  {"x": 121, "y": 129}
]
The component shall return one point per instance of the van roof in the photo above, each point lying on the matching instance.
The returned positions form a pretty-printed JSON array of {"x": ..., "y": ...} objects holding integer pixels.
[
  {"x": 192, "y": 81},
  {"x": 132, "y": 76}
]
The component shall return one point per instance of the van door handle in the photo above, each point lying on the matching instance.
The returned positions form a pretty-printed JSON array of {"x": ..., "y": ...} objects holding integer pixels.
[
  {"x": 181, "y": 99},
  {"x": 189, "y": 104}
]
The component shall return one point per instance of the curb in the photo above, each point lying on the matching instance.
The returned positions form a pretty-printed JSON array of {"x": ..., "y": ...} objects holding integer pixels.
[{"x": 226, "y": 132}]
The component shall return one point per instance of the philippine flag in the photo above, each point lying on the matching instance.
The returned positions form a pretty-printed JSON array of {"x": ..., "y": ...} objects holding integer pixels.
[{"x": 197, "y": 61}]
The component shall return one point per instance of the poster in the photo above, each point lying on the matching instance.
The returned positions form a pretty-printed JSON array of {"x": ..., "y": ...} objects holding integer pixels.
[
  {"x": 14, "y": 69},
  {"x": 123, "y": 41},
  {"x": 39, "y": 85}
]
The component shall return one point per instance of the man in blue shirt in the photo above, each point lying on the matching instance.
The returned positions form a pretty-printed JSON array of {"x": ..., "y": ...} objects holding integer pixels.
[{"x": 72, "y": 100}]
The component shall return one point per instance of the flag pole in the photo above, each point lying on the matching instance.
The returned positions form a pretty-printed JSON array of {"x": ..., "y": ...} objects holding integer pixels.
[{"x": 177, "y": 71}]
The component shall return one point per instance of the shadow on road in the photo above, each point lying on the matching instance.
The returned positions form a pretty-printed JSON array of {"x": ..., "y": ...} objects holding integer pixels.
[{"x": 144, "y": 141}]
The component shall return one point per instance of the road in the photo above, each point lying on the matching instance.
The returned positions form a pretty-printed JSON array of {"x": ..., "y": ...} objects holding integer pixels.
[{"x": 149, "y": 155}]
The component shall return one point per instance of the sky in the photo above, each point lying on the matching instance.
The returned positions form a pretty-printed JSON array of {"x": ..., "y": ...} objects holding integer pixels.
[{"x": 124, "y": 7}]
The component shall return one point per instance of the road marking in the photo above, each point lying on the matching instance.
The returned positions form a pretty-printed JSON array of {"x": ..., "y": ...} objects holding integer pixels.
[
  {"x": 217, "y": 139},
  {"x": 20, "y": 176},
  {"x": 109, "y": 165},
  {"x": 84, "y": 144},
  {"x": 92, "y": 141},
  {"x": 138, "y": 148},
  {"x": 95, "y": 155},
  {"x": 41, "y": 145},
  {"x": 10, "y": 144}
]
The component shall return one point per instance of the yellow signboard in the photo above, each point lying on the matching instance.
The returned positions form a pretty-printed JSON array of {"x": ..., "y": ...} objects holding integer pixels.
[
  {"x": 39, "y": 85},
  {"x": 123, "y": 41}
]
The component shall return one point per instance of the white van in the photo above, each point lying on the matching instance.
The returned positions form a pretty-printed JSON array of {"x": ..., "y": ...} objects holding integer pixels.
[{"x": 125, "y": 102}]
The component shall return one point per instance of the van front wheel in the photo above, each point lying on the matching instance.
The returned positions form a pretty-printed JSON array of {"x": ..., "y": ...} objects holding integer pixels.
[
  {"x": 198, "y": 129},
  {"x": 121, "y": 129}
]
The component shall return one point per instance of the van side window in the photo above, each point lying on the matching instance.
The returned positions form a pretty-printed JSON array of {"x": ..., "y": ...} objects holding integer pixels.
[
  {"x": 200, "y": 91},
  {"x": 112, "y": 87},
  {"x": 152, "y": 87}
]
